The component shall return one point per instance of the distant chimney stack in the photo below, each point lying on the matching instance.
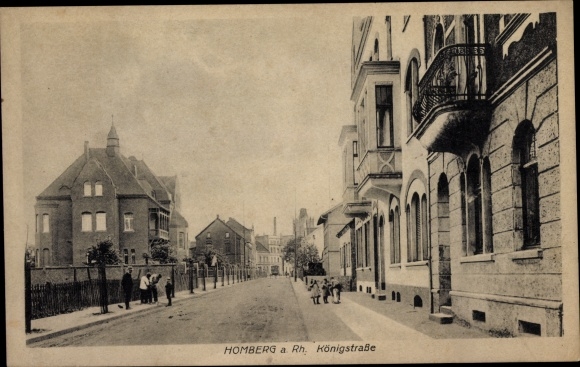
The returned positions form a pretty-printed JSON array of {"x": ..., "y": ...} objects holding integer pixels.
[
  {"x": 274, "y": 226},
  {"x": 87, "y": 150},
  {"x": 218, "y": 216}
]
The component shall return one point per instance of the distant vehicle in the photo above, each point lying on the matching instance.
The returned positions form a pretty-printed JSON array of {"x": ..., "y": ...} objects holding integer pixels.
[
  {"x": 275, "y": 270},
  {"x": 314, "y": 269}
]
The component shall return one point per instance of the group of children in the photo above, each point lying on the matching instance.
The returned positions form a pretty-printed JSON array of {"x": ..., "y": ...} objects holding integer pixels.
[
  {"x": 148, "y": 288},
  {"x": 325, "y": 289}
]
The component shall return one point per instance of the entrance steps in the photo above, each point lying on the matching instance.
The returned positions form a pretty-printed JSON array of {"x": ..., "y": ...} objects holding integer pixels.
[{"x": 444, "y": 316}]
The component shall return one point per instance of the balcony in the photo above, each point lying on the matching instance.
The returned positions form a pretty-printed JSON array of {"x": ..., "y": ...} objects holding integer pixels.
[
  {"x": 357, "y": 209},
  {"x": 452, "y": 108},
  {"x": 158, "y": 234},
  {"x": 380, "y": 173}
]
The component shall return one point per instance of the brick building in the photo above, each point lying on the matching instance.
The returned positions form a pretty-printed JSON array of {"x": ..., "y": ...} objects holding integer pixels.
[
  {"x": 101, "y": 195},
  {"x": 222, "y": 237}
]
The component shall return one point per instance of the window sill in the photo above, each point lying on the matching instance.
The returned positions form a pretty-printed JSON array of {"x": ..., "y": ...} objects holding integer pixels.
[
  {"x": 477, "y": 258},
  {"x": 416, "y": 263},
  {"x": 527, "y": 254},
  {"x": 129, "y": 230},
  {"x": 395, "y": 266}
]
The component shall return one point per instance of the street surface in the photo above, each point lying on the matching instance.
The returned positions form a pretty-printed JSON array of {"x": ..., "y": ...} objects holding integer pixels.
[{"x": 262, "y": 310}]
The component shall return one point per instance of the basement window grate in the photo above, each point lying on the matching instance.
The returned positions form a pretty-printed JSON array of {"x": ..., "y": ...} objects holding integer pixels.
[
  {"x": 478, "y": 315},
  {"x": 532, "y": 328}
]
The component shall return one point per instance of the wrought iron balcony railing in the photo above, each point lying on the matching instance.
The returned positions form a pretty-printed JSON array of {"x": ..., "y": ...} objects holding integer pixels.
[{"x": 458, "y": 73}]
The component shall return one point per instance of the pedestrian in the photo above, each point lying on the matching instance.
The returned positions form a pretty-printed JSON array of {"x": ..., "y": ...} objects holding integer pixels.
[
  {"x": 315, "y": 293},
  {"x": 168, "y": 291},
  {"x": 335, "y": 290},
  {"x": 144, "y": 288},
  {"x": 127, "y": 284},
  {"x": 155, "y": 278},
  {"x": 325, "y": 290}
]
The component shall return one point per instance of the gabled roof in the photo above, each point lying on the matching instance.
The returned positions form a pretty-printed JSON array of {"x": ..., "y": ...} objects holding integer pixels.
[
  {"x": 324, "y": 216},
  {"x": 261, "y": 248},
  {"x": 244, "y": 232},
  {"x": 169, "y": 182}
]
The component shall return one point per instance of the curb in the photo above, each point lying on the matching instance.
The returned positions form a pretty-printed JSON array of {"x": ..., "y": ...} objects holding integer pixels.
[{"x": 72, "y": 329}]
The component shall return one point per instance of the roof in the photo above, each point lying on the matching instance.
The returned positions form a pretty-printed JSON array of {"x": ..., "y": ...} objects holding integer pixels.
[
  {"x": 130, "y": 177},
  {"x": 344, "y": 229},
  {"x": 324, "y": 216},
  {"x": 169, "y": 182},
  {"x": 244, "y": 232},
  {"x": 260, "y": 247},
  {"x": 177, "y": 220}
]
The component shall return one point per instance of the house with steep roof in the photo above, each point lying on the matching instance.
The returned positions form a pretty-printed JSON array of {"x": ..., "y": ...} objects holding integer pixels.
[
  {"x": 222, "y": 237},
  {"x": 102, "y": 195},
  {"x": 178, "y": 226}
]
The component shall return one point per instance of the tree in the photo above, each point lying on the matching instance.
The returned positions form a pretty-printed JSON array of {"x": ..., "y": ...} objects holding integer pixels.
[
  {"x": 289, "y": 249},
  {"x": 308, "y": 254},
  {"x": 100, "y": 255},
  {"x": 162, "y": 252}
]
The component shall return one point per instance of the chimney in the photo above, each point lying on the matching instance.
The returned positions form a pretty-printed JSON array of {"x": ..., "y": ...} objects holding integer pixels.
[
  {"x": 218, "y": 216},
  {"x": 87, "y": 150},
  {"x": 135, "y": 169},
  {"x": 274, "y": 226}
]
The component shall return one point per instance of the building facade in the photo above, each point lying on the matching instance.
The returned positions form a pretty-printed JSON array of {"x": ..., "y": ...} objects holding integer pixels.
[
  {"x": 332, "y": 222},
  {"x": 102, "y": 195},
  {"x": 220, "y": 237},
  {"x": 455, "y": 177}
]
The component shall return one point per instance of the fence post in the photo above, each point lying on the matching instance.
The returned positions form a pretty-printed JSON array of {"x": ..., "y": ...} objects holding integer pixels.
[
  {"x": 190, "y": 276},
  {"x": 203, "y": 275},
  {"x": 103, "y": 288},
  {"x": 27, "y": 294},
  {"x": 215, "y": 270},
  {"x": 223, "y": 275}
]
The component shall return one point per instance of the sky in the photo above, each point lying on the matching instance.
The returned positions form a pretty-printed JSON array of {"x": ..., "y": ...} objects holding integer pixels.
[{"x": 246, "y": 112}]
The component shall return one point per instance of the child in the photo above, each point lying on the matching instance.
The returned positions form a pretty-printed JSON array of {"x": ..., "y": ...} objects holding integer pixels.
[{"x": 168, "y": 291}]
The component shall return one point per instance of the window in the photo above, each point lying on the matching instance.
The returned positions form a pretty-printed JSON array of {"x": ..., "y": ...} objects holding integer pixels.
[
  {"x": 132, "y": 256},
  {"x": 45, "y": 223},
  {"x": 86, "y": 222},
  {"x": 354, "y": 160},
  {"x": 486, "y": 202},
  {"x": 474, "y": 208},
  {"x": 98, "y": 188},
  {"x": 367, "y": 244},
  {"x": 208, "y": 234},
  {"x": 362, "y": 132},
  {"x": 101, "y": 221},
  {"x": 424, "y": 235},
  {"x": 527, "y": 169},
  {"x": 181, "y": 240},
  {"x": 45, "y": 257},
  {"x": 36, "y": 223},
  {"x": 376, "y": 50},
  {"x": 416, "y": 230},
  {"x": 87, "y": 189},
  {"x": 438, "y": 41},
  {"x": 384, "y": 108},
  {"x": 126, "y": 256},
  {"x": 411, "y": 89},
  {"x": 128, "y": 220},
  {"x": 227, "y": 234}
]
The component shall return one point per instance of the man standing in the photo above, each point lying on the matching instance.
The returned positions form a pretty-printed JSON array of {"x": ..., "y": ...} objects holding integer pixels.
[
  {"x": 127, "y": 284},
  {"x": 144, "y": 287},
  {"x": 154, "y": 280}
]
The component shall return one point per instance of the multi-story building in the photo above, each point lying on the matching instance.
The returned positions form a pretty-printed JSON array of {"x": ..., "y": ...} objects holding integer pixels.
[
  {"x": 219, "y": 236},
  {"x": 178, "y": 226},
  {"x": 101, "y": 195},
  {"x": 455, "y": 183},
  {"x": 262, "y": 260}
]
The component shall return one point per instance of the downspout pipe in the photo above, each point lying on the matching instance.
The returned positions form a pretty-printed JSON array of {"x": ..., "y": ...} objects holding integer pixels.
[{"x": 430, "y": 261}]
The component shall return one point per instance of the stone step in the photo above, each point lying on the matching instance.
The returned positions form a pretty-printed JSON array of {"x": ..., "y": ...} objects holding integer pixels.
[
  {"x": 447, "y": 310},
  {"x": 441, "y": 318}
]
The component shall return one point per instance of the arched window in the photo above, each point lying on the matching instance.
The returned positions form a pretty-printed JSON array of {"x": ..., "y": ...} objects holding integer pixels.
[
  {"x": 101, "y": 221},
  {"x": 132, "y": 256},
  {"x": 412, "y": 92},
  {"x": 86, "y": 222},
  {"x": 527, "y": 170},
  {"x": 376, "y": 50},
  {"x": 126, "y": 256},
  {"x": 87, "y": 189},
  {"x": 415, "y": 231},
  {"x": 486, "y": 202},
  {"x": 98, "y": 188},
  {"x": 45, "y": 223},
  {"x": 474, "y": 208},
  {"x": 394, "y": 220},
  {"x": 424, "y": 235}
]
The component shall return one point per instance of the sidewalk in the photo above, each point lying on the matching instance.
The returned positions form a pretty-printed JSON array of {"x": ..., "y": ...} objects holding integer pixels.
[
  {"x": 385, "y": 317},
  {"x": 50, "y": 327}
]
